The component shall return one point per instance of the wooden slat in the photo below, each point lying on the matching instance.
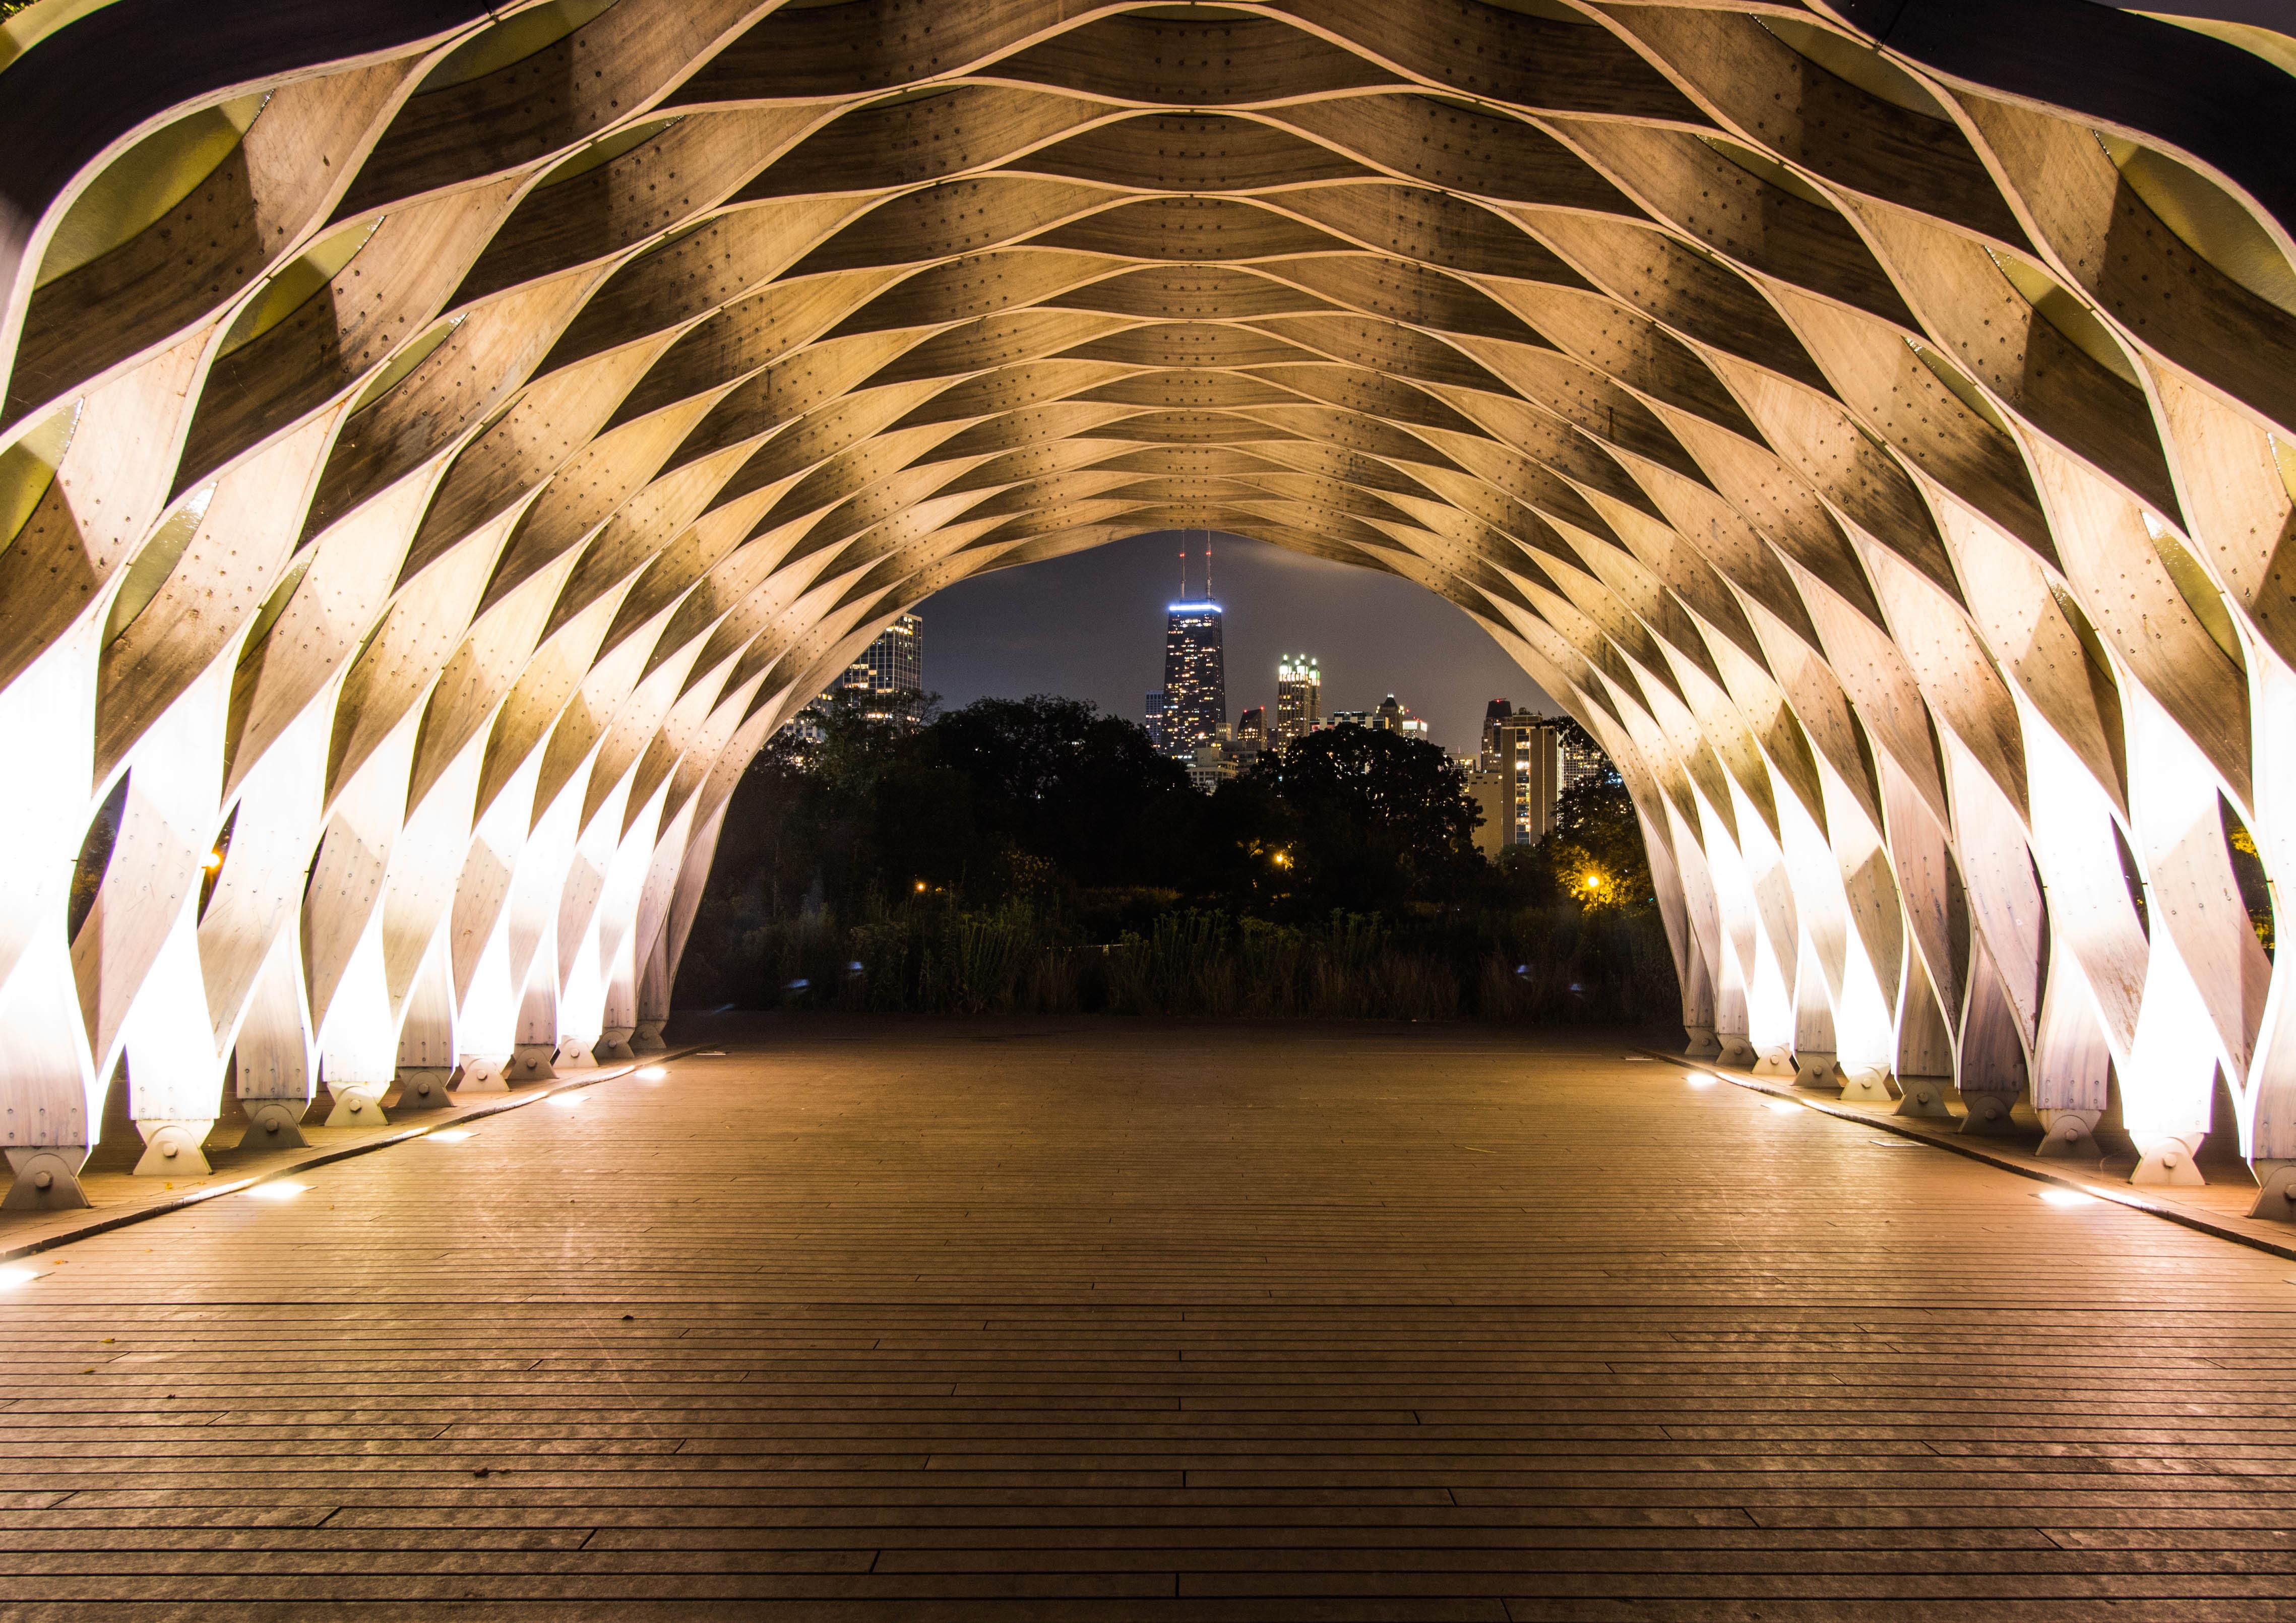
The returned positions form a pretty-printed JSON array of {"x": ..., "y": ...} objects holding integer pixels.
[{"x": 1099, "y": 1319}]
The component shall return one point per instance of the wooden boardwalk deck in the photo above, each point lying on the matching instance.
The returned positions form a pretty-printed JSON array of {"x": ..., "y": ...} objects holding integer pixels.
[{"x": 1107, "y": 1321}]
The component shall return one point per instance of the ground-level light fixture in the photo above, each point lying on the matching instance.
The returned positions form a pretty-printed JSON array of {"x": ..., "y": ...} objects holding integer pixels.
[
  {"x": 214, "y": 861},
  {"x": 2069, "y": 1197},
  {"x": 449, "y": 1136},
  {"x": 10, "y": 1278},
  {"x": 1783, "y": 1107},
  {"x": 653, "y": 1073},
  {"x": 1698, "y": 1078},
  {"x": 280, "y": 1189},
  {"x": 565, "y": 1101}
]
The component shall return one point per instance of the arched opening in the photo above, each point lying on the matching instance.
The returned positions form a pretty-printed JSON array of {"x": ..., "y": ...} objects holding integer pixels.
[{"x": 1890, "y": 491}]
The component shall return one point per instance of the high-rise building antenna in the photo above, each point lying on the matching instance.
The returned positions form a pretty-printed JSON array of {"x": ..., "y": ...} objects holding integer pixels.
[{"x": 1208, "y": 566}]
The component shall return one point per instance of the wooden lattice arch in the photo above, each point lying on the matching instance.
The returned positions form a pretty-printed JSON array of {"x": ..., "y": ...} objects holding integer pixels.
[{"x": 440, "y": 443}]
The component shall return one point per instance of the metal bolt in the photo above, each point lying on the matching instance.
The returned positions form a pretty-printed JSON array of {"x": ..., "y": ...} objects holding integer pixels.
[
  {"x": 42, "y": 1178},
  {"x": 168, "y": 1148},
  {"x": 271, "y": 1124},
  {"x": 357, "y": 1104}
]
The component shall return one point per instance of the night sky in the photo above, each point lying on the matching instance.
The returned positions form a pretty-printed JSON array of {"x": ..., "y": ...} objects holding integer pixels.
[{"x": 1091, "y": 625}]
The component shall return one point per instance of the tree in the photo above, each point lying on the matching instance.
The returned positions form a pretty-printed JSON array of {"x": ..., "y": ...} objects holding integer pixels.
[
  {"x": 1057, "y": 780},
  {"x": 1383, "y": 820},
  {"x": 1596, "y": 845},
  {"x": 803, "y": 829}
]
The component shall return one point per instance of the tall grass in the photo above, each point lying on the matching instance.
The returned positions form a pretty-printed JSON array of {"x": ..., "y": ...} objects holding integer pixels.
[{"x": 1551, "y": 966}]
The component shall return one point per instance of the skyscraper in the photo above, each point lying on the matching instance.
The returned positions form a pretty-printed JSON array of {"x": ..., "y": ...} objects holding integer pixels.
[
  {"x": 884, "y": 680},
  {"x": 1195, "y": 678},
  {"x": 894, "y": 663},
  {"x": 897, "y": 659},
  {"x": 1152, "y": 717},
  {"x": 1581, "y": 759},
  {"x": 1299, "y": 698},
  {"x": 1496, "y": 712}
]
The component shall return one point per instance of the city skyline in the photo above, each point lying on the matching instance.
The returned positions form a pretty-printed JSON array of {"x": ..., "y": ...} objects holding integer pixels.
[{"x": 1091, "y": 625}]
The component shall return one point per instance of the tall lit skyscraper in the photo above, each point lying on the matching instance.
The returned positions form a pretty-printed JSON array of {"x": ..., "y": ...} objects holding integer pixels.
[
  {"x": 1195, "y": 678},
  {"x": 1152, "y": 718},
  {"x": 1299, "y": 698}
]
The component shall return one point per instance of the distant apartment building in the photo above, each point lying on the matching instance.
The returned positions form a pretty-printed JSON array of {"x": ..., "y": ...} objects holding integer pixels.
[
  {"x": 1581, "y": 759},
  {"x": 1252, "y": 725},
  {"x": 1212, "y": 765},
  {"x": 1487, "y": 788},
  {"x": 896, "y": 660},
  {"x": 885, "y": 680},
  {"x": 894, "y": 663},
  {"x": 1521, "y": 780},
  {"x": 1299, "y": 698}
]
